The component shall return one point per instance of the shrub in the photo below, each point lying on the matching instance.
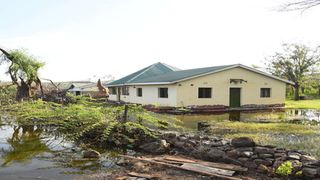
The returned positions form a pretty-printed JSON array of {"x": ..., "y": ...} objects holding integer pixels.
[{"x": 285, "y": 169}]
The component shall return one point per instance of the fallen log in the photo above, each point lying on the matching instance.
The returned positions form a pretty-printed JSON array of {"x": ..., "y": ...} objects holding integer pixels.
[{"x": 209, "y": 171}]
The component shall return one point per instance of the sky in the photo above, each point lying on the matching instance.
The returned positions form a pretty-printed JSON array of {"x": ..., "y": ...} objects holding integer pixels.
[{"x": 90, "y": 39}]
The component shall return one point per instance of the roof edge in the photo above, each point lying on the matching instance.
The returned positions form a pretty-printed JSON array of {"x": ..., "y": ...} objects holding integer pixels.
[
  {"x": 235, "y": 66},
  {"x": 208, "y": 73},
  {"x": 265, "y": 74},
  {"x": 137, "y": 84}
]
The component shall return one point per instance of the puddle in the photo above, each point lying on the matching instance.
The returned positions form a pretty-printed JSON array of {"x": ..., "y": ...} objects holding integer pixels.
[{"x": 31, "y": 152}]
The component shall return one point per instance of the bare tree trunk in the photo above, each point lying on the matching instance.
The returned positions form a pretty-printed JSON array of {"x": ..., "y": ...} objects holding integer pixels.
[
  {"x": 296, "y": 91},
  {"x": 23, "y": 91},
  {"x": 38, "y": 82}
]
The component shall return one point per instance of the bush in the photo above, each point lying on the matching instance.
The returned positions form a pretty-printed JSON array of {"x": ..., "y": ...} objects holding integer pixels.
[
  {"x": 285, "y": 169},
  {"x": 92, "y": 122}
]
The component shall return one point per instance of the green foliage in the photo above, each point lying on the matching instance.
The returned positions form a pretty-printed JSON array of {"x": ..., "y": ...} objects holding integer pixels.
[
  {"x": 23, "y": 70},
  {"x": 25, "y": 65},
  {"x": 93, "y": 122},
  {"x": 294, "y": 63},
  {"x": 7, "y": 94},
  {"x": 285, "y": 169},
  {"x": 299, "y": 173}
]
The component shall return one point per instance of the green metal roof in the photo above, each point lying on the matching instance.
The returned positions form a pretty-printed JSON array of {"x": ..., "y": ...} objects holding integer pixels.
[
  {"x": 183, "y": 74},
  {"x": 160, "y": 73},
  {"x": 150, "y": 71}
]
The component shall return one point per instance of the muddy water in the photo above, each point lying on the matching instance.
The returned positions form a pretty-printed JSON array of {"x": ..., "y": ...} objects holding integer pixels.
[{"x": 30, "y": 152}]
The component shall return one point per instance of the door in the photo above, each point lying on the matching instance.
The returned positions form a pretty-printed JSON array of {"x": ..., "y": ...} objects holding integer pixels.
[{"x": 235, "y": 94}]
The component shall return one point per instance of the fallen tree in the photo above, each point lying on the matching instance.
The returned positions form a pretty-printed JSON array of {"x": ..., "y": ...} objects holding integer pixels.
[{"x": 23, "y": 71}]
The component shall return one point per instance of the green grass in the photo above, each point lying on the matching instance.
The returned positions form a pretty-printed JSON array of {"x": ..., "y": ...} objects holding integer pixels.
[
  {"x": 303, "y": 104},
  {"x": 291, "y": 136},
  {"x": 283, "y": 128}
]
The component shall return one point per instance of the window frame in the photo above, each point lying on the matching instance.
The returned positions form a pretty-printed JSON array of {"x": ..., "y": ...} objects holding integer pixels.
[
  {"x": 113, "y": 91},
  {"x": 204, "y": 93},
  {"x": 125, "y": 90},
  {"x": 264, "y": 94},
  {"x": 159, "y": 92},
  {"x": 139, "y": 90}
]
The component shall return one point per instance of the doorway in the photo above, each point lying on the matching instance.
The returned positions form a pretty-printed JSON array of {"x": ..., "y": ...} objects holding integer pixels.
[{"x": 235, "y": 95}]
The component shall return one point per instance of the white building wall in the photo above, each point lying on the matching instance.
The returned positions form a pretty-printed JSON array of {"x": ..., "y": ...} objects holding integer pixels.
[{"x": 149, "y": 95}]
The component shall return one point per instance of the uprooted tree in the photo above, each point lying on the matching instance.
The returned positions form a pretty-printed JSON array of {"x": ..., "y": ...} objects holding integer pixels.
[
  {"x": 294, "y": 63},
  {"x": 23, "y": 70}
]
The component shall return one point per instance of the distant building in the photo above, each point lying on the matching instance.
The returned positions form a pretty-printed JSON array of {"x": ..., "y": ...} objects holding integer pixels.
[{"x": 229, "y": 85}]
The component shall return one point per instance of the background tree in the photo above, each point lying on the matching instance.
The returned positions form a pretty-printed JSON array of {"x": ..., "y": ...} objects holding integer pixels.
[
  {"x": 294, "y": 63},
  {"x": 23, "y": 70}
]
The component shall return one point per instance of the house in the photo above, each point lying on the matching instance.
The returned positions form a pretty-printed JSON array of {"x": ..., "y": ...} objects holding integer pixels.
[
  {"x": 229, "y": 85},
  {"x": 95, "y": 90}
]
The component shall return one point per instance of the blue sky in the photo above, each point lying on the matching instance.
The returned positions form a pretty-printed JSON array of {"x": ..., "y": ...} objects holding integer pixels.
[{"x": 82, "y": 39}]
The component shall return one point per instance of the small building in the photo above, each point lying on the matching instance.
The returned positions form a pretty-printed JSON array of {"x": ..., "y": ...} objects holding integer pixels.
[
  {"x": 95, "y": 90},
  {"x": 234, "y": 85}
]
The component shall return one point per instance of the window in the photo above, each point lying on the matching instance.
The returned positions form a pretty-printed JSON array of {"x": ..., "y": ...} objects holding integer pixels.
[
  {"x": 125, "y": 90},
  {"x": 265, "y": 92},
  {"x": 163, "y": 92},
  {"x": 113, "y": 90},
  {"x": 204, "y": 92},
  {"x": 139, "y": 92}
]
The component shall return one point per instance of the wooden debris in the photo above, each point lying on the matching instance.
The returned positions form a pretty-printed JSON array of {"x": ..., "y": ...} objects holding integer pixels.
[
  {"x": 206, "y": 170},
  {"x": 179, "y": 159},
  {"x": 206, "y": 163},
  {"x": 143, "y": 175},
  {"x": 194, "y": 167}
]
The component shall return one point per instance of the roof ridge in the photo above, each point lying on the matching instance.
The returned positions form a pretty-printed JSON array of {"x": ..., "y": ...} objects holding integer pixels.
[
  {"x": 209, "y": 67},
  {"x": 135, "y": 77},
  {"x": 170, "y": 67}
]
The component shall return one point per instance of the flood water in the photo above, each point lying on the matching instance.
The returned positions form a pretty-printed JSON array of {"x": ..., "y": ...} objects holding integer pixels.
[
  {"x": 291, "y": 128},
  {"x": 300, "y": 116},
  {"x": 30, "y": 152}
]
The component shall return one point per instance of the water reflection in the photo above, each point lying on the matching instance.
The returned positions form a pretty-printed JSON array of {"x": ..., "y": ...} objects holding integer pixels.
[
  {"x": 25, "y": 143},
  {"x": 234, "y": 115},
  {"x": 300, "y": 116},
  {"x": 306, "y": 114}
]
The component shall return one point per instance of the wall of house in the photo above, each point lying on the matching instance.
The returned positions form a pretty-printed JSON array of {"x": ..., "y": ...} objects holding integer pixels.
[
  {"x": 149, "y": 95},
  {"x": 220, "y": 84}
]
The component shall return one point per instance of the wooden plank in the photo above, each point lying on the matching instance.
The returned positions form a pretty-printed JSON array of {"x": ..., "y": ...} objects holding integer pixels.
[
  {"x": 179, "y": 167},
  {"x": 179, "y": 159},
  {"x": 206, "y": 163},
  {"x": 223, "y": 166},
  {"x": 143, "y": 175},
  {"x": 170, "y": 162},
  {"x": 205, "y": 169}
]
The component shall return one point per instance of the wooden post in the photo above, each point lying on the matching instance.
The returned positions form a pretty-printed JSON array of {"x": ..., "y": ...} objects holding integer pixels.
[{"x": 125, "y": 114}]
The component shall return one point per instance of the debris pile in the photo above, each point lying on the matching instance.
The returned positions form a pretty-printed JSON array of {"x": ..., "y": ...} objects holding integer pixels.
[{"x": 242, "y": 153}]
